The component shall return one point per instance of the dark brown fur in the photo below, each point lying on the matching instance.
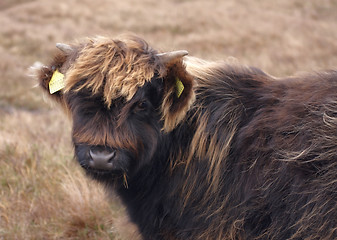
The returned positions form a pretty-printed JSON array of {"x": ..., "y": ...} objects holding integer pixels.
[{"x": 240, "y": 155}]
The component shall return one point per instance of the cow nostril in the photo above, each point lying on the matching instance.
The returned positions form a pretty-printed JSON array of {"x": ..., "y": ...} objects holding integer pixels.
[{"x": 101, "y": 159}]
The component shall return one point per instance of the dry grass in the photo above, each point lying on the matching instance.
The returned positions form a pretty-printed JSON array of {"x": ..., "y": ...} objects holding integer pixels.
[{"x": 43, "y": 193}]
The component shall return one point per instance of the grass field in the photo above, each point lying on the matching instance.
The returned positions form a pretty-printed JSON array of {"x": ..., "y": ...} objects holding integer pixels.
[{"x": 43, "y": 192}]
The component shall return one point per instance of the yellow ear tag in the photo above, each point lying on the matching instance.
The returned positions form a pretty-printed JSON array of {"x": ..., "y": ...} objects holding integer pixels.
[
  {"x": 179, "y": 87},
  {"x": 56, "y": 82}
]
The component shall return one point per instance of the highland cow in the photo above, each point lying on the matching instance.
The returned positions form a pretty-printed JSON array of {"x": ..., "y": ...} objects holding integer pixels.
[{"x": 198, "y": 149}]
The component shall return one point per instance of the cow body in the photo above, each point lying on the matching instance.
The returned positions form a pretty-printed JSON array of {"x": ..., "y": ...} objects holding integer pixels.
[{"x": 239, "y": 155}]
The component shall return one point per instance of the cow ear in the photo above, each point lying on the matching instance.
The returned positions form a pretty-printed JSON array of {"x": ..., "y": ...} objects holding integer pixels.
[
  {"x": 178, "y": 94},
  {"x": 52, "y": 77}
]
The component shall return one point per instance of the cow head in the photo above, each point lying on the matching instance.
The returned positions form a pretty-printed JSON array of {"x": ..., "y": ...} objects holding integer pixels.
[{"x": 122, "y": 97}]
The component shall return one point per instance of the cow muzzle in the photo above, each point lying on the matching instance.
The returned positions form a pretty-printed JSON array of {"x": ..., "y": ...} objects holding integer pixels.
[{"x": 101, "y": 158}]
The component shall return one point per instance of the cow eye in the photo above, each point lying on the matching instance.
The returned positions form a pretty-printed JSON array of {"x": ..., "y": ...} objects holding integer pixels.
[{"x": 142, "y": 105}]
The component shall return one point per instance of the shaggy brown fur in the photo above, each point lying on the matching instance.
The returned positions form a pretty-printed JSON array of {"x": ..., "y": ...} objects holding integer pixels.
[
  {"x": 239, "y": 155},
  {"x": 120, "y": 67}
]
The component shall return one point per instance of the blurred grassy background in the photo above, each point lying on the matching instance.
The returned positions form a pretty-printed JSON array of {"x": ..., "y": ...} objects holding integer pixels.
[{"x": 43, "y": 193}]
